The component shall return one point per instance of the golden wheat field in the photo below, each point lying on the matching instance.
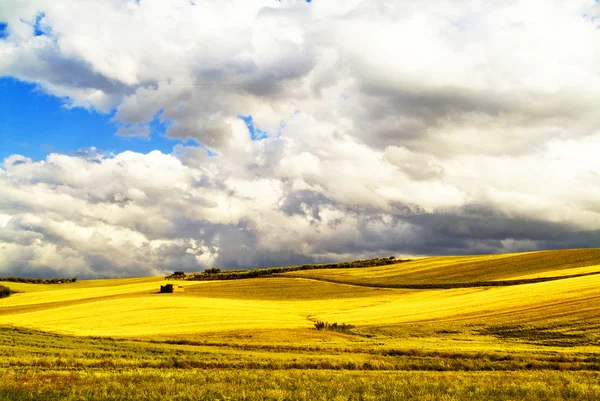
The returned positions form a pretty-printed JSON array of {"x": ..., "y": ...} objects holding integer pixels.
[
  {"x": 269, "y": 323},
  {"x": 133, "y": 307}
]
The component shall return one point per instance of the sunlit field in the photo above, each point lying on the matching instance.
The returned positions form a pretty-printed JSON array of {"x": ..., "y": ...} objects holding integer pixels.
[
  {"x": 256, "y": 338},
  {"x": 465, "y": 269}
]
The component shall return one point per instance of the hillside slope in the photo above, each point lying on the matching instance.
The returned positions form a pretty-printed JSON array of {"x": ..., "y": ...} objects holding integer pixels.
[
  {"x": 283, "y": 308},
  {"x": 467, "y": 269}
]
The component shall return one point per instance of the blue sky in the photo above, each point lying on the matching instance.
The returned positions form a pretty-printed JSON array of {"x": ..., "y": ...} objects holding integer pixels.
[
  {"x": 3, "y": 30},
  {"x": 34, "y": 124}
]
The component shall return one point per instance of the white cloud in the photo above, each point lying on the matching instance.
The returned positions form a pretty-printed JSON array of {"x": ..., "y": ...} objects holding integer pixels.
[{"x": 388, "y": 123}]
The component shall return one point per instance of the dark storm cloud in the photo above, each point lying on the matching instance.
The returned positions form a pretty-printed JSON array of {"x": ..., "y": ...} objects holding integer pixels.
[
  {"x": 305, "y": 203},
  {"x": 472, "y": 229}
]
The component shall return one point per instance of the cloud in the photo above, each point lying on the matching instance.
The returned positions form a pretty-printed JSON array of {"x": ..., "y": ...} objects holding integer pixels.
[
  {"x": 385, "y": 127},
  {"x": 93, "y": 215},
  {"x": 413, "y": 77}
]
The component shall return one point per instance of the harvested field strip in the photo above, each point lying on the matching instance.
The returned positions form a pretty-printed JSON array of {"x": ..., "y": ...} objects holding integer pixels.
[
  {"x": 44, "y": 351},
  {"x": 283, "y": 289}
]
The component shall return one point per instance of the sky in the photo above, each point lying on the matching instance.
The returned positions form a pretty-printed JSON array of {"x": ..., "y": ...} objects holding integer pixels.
[{"x": 142, "y": 137}]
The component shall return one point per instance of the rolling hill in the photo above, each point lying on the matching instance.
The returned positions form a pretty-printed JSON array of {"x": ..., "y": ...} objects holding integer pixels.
[
  {"x": 468, "y": 269},
  {"x": 132, "y": 308},
  {"x": 256, "y": 338}
]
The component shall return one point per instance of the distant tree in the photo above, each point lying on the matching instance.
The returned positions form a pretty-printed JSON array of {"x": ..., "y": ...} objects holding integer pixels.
[{"x": 218, "y": 274}]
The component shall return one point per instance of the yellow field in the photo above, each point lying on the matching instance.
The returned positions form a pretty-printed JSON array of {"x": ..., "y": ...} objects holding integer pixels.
[
  {"x": 567, "y": 308},
  {"x": 255, "y": 338},
  {"x": 465, "y": 269}
]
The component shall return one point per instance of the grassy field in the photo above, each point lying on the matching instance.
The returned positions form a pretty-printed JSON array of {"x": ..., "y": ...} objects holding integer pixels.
[{"x": 255, "y": 338}]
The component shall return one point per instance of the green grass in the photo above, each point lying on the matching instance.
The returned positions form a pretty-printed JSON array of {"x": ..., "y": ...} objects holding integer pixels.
[
  {"x": 227, "y": 384},
  {"x": 22, "y": 349},
  {"x": 256, "y": 338},
  {"x": 42, "y": 366}
]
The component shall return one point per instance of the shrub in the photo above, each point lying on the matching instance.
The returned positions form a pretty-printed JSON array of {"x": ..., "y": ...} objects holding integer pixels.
[
  {"x": 177, "y": 275},
  {"x": 319, "y": 325},
  {"x": 4, "y": 291},
  {"x": 166, "y": 289}
]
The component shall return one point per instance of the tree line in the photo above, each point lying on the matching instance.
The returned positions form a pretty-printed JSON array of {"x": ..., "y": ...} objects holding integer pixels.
[
  {"x": 218, "y": 274},
  {"x": 38, "y": 280}
]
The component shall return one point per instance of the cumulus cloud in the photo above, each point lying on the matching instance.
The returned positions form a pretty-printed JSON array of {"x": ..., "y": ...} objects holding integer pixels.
[
  {"x": 387, "y": 127},
  {"x": 133, "y": 214}
]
